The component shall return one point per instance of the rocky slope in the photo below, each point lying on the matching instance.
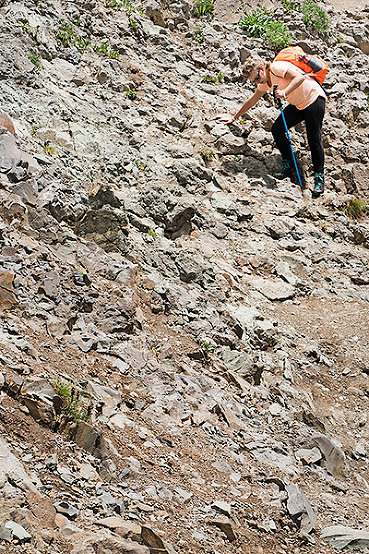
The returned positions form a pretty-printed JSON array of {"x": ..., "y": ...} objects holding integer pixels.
[{"x": 184, "y": 340}]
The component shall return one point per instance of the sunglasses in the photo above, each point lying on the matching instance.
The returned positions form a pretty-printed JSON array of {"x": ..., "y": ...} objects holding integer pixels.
[{"x": 257, "y": 78}]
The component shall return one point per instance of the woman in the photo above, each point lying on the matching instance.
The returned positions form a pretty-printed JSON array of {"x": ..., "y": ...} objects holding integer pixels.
[{"x": 306, "y": 102}]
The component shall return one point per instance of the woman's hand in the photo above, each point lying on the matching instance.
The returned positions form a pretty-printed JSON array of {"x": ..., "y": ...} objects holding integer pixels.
[
  {"x": 227, "y": 119},
  {"x": 279, "y": 93}
]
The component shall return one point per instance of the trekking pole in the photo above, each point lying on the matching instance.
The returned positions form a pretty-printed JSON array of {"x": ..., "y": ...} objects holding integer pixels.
[{"x": 278, "y": 102}]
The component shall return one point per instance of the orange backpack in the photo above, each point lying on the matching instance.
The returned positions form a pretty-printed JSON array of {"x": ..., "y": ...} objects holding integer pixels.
[{"x": 309, "y": 64}]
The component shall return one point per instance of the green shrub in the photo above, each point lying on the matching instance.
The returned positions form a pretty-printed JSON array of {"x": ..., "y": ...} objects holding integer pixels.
[
  {"x": 260, "y": 23},
  {"x": 314, "y": 16},
  {"x": 71, "y": 402},
  {"x": 290, "y": 6},
  {"x": 356, "y": 208},
  {"x": 255, "y": 22},
  {"x": 204, "y": 7}
]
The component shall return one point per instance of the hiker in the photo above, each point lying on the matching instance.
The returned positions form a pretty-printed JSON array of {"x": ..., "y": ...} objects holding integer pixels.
[{"x": 306, "y": 102}]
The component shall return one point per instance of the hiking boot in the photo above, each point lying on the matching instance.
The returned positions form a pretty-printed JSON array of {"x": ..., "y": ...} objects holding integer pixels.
[
  {"x": 318, "y": 185},
  {"x": 287, "y": 170}
]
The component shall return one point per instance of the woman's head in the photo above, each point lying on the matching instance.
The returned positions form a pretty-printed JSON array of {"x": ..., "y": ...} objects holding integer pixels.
[{"x": 253, "y": 70}]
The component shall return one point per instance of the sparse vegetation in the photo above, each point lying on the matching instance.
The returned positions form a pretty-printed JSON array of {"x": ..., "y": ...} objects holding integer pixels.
[
  {"x": 356, "y": 208},
  {"x": 119, "y": 4},
  {"x": 212, "y": 78},
  {"x": 35, "y": 60},
  {"x": 260, "y": 23},
  {"x": 69, "y": 37},
  {"x": 206, "y": 347},
  {"x": 151, "y": 233},
  {"x": 104, "y": 50},
  {"x": 208, "y": 156},
  {"x": 209, "y": 79},
  {"x": 314, "y": 16},
  {"x": 72, "y": 407},
  {"x": 49, "y": 149},
  {"x": 131, "y": 94},
  {"x": 198, "y": 34},
  {"x": 290, "y": 6},
  {"x": 204, "y": 8}
]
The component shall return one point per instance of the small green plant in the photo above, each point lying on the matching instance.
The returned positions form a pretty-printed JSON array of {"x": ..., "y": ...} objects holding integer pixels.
[
  {"x": 35, "y": 60},
  {"x": 104, "y": 50},
  {"x": 49, "y": 148},
  {"x": 261, "y": 23},
  {"x": 69, "y": 37},
  {"x": 131, "y": 93},
  {"x": 220, "y": 76},
  {"x": 132, "y": 23},
  {"x": 27, "y": 29},
  {"x": 198, "y": 34},
  {"x": 206, "y": 347},
  {"x": 207, "y": 156},
  {"x": 204, "y": 8},
  {"x": 151, "y": 233},
  {"x": 209, "y": 79},
  {"x": 314, "y": 16},
  {"x": 356, "y": 208},
  {"x": 72, "y": 407},
  {"x": 120, "y": 4},
  {"x": 290, "y": 6},
  {"x": 238, "y": 158}
]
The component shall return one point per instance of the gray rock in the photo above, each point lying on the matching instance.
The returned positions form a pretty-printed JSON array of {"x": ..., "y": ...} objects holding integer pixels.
[
  {"x": 17, "y": 531},
  {"x": 311, "y": 456},
  {"x": 300, "y": 509},
  {"x": 66, "y": 509},
  {"x": 335, "y": 459},
  {"x": 274, "y": 290},
  {"x": 341, "y": 537},
  {"x": 87, "y": 437}
]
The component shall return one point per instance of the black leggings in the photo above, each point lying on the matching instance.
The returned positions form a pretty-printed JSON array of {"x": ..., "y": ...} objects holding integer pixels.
[{"x": 313, "y": 117}]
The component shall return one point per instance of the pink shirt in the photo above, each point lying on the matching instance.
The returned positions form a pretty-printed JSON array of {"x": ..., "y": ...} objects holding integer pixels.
[{"x": 304, "y": 95}]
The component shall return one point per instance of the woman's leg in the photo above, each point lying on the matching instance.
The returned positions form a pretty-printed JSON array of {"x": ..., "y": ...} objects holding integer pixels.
[
  {"x": 313, "y": 116},
  {"x": 293, "y": 116}
]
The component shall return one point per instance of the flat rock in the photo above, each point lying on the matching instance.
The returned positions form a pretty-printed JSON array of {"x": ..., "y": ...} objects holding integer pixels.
[
  {"x": 341, "y": 537},
  {"x": 274, "y": 290}
]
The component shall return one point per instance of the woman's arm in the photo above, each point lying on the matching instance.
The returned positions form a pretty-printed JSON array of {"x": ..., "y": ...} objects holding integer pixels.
[{"x": 244, "y": 108}]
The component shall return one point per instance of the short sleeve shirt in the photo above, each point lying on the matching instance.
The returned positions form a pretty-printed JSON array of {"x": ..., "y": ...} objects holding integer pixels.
[{"x": 304, "y": 95}]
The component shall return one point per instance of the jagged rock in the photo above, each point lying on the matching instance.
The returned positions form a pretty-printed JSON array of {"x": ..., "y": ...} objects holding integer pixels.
[
  {"x": 274, "y": 290},
  {"x": 155, "y": 543},
  {"x": 126, "y": 529},
  {"x": 261, "y": 331},
  {"x": 7, "y": 296},
  {"x": 309, "y": 456},
  {"x": 300, "y": 509},
  {"x": 334, "y": 457},
  {"x": 87, "y": 437},
  {"x": 225, "y": 525}
]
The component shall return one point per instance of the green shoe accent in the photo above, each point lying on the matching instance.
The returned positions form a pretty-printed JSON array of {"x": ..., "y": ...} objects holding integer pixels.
[
  {"x": 318, "y": 185},
  {"x": 287, "y": 170}
]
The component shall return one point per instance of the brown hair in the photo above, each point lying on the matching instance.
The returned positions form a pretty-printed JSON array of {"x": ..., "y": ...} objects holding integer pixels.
[{"x": 252, "y": 64}]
